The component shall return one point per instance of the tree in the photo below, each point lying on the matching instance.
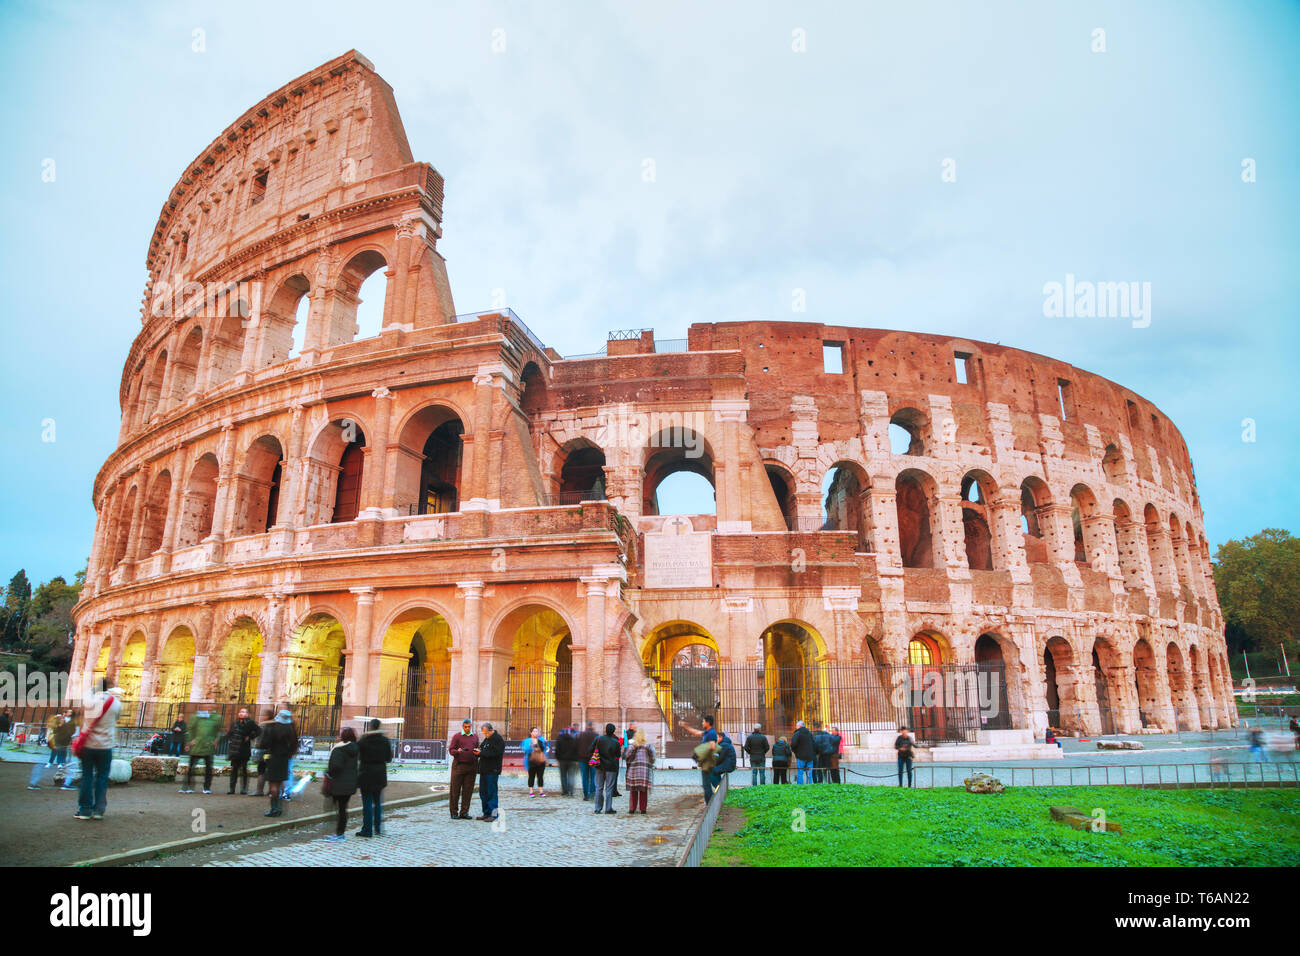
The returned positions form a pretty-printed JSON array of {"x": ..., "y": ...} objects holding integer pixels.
[
  {"x": 1258, "y": 583},
  {"x": 13, "y": 627}
]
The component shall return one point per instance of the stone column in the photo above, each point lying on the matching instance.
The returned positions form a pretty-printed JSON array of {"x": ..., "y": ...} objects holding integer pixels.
[
  {"x": 378, "y": 453},
  {"x": 223, "y": 511},
  {"x": 597, "y": 691},
  {"x": 362, "y": 678},
  {"x": 1008, "y": 537},
  {"x": 474, "y": 496},
  {"x": 1162, "y": 559},
  {"x": 1099, "y": 544},
  {"x": 173, "y": 509},
  {"x": 949, "y": 537},
  {"x": 472, "y": 593},
  {"x": 268, "y": 678}
]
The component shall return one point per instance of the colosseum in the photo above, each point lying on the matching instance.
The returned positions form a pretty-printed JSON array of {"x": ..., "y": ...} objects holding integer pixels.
[{"x": 443, "y": 516}]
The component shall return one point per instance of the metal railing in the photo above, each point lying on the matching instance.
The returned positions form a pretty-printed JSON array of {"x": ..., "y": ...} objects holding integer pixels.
[
  {"x": 698, "y": 839},
  {"x": 1161, "y": 776}
]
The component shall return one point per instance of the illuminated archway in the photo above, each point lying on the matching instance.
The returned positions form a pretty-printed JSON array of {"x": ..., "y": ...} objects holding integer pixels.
[
  {"x": 176, "y": 666},
  {"x": 530, "y": 670},
  {"x": 236, "y": 668},
  {"x": 314, "y": 664},
  {"x": 682, "y": 659},
  {"x": 415, "y": 672},
  {"x": 130, "y": 671}
]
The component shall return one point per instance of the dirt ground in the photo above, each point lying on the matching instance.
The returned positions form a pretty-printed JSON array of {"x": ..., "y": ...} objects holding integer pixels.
[{"x": 37, "y": 827}]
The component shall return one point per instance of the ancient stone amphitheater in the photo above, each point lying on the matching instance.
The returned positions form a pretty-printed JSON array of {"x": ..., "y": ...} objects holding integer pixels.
[{"x": 447, "y": 516}]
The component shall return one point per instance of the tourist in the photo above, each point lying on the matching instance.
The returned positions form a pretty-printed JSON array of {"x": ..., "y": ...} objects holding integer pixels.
[
  {"x": 805, "y": 752},
  {"x": 607, "y": 771},
  {"x": 201, "y": 743},
  {"x": 342, "y": 777},
  {"x": 904, "y": 744},
  {"x": 490, "y": 751},
  {"x": 6, "y": 725},
  {"x": 279, "y": 742},
  {"x": 756, "y": 746},
  {"x": 821, "y": 749},
  {"x": 586, "y": 747},
  {"x": 57, "y": 740},
  {"x": 629, "y": 736},
  {"x": 1257, "y": 749},
  {"x": 833, "y": 755},
  {"x": 99, "y": 736},
  {"x": 566, "y": 755},
  {"x": 178, "y": 736},
  {"x": 286, "y": 791},
  {"x": 640, "y": 757},
  {"x": 1294, "y": 727},
  {"x": 533, "y": 750},
  {"x": 374, "y": 753},
  {"x": 268, "y": 718},
  {"x": 780, "y": 761},
  {"x": 704, "y": 753},
  {"x": 239, "y": 747},
  {"x": 725, "y": 763},
  {"x": 72, "y": 768},
  {"x": 463, "y": 749}
]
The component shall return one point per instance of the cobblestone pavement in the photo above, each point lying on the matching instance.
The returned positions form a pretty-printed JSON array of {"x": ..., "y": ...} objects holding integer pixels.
[{"x": 541, "y": 831}]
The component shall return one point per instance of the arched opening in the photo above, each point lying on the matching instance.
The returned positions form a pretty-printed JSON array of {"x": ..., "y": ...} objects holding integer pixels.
[
  {"x": 1112, "y": 464},
  {"x": 1179, "y": 688},
  {"x": 1062, "y": 695},
  {"x": 100, "y": 670},
  {"x": 1105, "y": 659},
  {"x": 185, "y": 372},
  {"x": 334, "y": 472},
  {"x": 914, "y": 492},
  {"x": 991, "y": 668},
  {"x": 415, "y": 672},
  {"x": 844, "y": 502},
  {"x": 237, "y": 667},
  {"x": 284, "y": 321},
  {"x": 153, "y": 519},
  {"x": 123, "y": 536},
  {"x": 257, "y": 487},
  {"x": 681, "y": 658},
  {"x": 928, "y": 709},
  {"x": 678, "y": 474},
  {"x": 529, "y": 644},
  {"x": 1166, "y": 579},
  {"x": 431, "y": 446},
  {"x": 227, "y": 353},
  {"x": 153, "y": 388},
  {"x": 176, "y": 667},
  {"x": 582, "y": 473},
  {"x": 130, "y": 672},
  {"x": 1147, "y": 680},
  {"x": 793, "y": 685},
  {"x": 197, "y": 502},
  {"x": 1129, "y": 538},
  {"x": 1034, "y": 497},
  {"x": 1083, "y": 505},
  {"x": 314, "y": 674},
  {"x": 977, "y": 490},
  {"x": 358, "y": 300},
  {"x": 907, "y": 432},
  {"x": 532, "y": 394},
  {"x": 782, "y": 485}
]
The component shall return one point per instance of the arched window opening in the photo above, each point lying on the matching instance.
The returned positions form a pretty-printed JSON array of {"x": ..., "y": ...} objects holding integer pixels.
[
  {"x": 440, "y": 471},
  {"x": 1112, "y": 463},
  {"x": 154, "y": 517},
  {"x": 350, "y": 319},
  {"x": 906, "y": 432},
  {"x": 124, "y": 526},
  {"x": 284, "y": 322},
  {"x": 913, "y": 494},
  {"x": 678, "y": 475},
  {"x": 782, "y": 489},
  {"x": 582, "y": 475},
  {"x": 976, "y": 489},
  {"x": 185, "y": 373},
  {"x": 532, "y": 397},
  {"x": 347, "y": 496},
  {"x": 197, "y": 502},
  {"x": 153, "y": 388},
  {"x": 257, "y": 487},
  {"x": 995, "y": 707},
  {"x": 1083, "y": 504},
  {"x": 1033, "y": 496},
  {"x": 844, "y": 503},
  {"x": 228, "y": 347}
]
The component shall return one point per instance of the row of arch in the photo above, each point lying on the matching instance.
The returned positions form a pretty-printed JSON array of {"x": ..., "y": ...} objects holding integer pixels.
[{"x": 209, "y": 351}]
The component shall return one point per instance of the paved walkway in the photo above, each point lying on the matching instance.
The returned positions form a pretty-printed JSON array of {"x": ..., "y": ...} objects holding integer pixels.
[{"x": 549, "y": 831}]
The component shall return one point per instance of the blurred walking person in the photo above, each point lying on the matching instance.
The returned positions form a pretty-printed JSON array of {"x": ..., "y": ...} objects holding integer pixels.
[
  {"x": 279, "y": 742},
  {"x": 587, "y": 746},
  {"x": 201, "y": 744},
  {"x": 342, "y": 776},
  {"x": 566, "y": 755}
]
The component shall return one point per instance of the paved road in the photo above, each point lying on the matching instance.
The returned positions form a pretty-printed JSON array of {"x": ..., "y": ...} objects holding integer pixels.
[{"x": 549, "y": 831}]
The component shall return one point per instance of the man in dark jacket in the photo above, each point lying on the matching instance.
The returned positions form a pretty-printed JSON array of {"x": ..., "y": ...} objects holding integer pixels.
[
  {"x": 821, "y": 741},
  {"x": 239, "y": 746},
  {"x": 756, "y": 746},
  {"x": 801, "y": 742},
  {"x": 607, "y": 773},
  {"x": 463, "y": 749},
  {"x": 566, "y": 755},
  {"x": 374, "y": 753},
  {"x": 178, "y": 738},
  {"x": 586, "y": 744},
  {"x": 490, "y": 751},
  {"x": 726, "y": 762}
]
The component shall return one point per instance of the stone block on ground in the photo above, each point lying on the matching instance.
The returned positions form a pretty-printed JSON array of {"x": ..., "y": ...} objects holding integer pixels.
[
  {"x": 983, "y": 783},
  {"x": 1076, "y": 818},
  {"x": 154, "y": 768}
]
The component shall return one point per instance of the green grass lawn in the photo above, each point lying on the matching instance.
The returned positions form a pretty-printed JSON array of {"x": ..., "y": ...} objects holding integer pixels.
[{"x": 883, "y": 826}]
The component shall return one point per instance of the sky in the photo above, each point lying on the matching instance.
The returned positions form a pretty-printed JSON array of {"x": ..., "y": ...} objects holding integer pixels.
[{"x": 609, "y": 165}]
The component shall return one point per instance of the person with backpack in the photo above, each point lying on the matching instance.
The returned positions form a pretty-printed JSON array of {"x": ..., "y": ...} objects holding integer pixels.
[
  {"x": 781, "y": 754},
  {"x": 259, "y": 752},
  {"x": 640, "y": 757},
  {"x": 94, "y": 748},
  {"x": 725, "y": 763},
  {"x": 374, "y": 754},
  {"x": 608, "y": 750},
  {"x": 534, "y": 753},
  {"x": 756, "y": 746},
  {"x": 566, "y": 755}
]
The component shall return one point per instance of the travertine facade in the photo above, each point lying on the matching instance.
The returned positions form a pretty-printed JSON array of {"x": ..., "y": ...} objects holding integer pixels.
[{"x": 404, "y": 517}]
